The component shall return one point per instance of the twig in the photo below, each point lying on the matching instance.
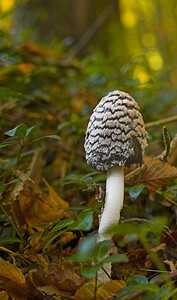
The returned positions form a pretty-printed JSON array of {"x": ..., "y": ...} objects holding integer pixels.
[
  {"x": 161, "y": 122},
  {"x": 136, "y": 220}
]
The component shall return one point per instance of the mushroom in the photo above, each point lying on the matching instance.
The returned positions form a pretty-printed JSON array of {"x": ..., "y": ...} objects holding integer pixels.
[{"x": 115, "y": 138}]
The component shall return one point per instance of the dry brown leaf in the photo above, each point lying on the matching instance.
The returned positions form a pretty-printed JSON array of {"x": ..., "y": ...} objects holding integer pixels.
[
  {"x": 12, "y": 280},
  {"x": 55, "y": 280},
  {"x": 4, "y": 295},
  {"x": 137, "y": 258},
  {"x": 157, "y": 174},
  {"x": 170, "y": 239},
  {"x": 19, "y": 186},
  {"x": 105, "y": 291},
  {"x": 67, "y": 237},
  {"x": 40, "y": 259},
  {"x": 54, "y": 198},
  {"x": 42, "y": 208}
]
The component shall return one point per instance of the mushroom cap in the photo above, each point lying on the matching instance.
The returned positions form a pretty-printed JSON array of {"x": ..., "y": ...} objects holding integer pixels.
[{"x": 115, "y": 134}]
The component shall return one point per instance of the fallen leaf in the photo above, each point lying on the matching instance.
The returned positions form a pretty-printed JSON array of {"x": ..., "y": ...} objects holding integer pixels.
[
  {"x": 40, "y": 259},
  {"x": 12, "y": 280},
  {"x": 136, "y": 262},
  {"x": 156, "y": 175},
  {"x": 170, "y": 239},
  {"x": 104, "y": 292},
  {"x": 42, "y": 208},
  {"x": 58, "y": 281},
  {"x": 4, "y": 295},
  {"x": 54, "y": 198}
]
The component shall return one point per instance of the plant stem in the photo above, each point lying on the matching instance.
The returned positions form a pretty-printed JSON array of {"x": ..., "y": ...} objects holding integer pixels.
[
  {"x": 96, "y": 287},
  {"x": 161, "y": 122}
]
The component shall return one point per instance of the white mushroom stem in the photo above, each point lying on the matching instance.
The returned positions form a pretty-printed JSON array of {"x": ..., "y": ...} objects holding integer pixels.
[
  {"x": 113, "y": 201},
  {"x": 111, "y": 212}
]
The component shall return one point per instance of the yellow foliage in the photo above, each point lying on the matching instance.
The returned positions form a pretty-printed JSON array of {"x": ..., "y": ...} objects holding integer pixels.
[
  {"x": 155, "y": 60},
  {"x": 12, "y": 280},
  {"x": 129, "y": 18},
  {"x": 128, "y": 14},
  {"x": 148, "y": 39},
  {"x": 6, "y": 5},
  {"x": 141, "y": 74}
]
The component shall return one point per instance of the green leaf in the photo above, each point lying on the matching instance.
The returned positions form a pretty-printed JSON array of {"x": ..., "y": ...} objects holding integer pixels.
[
  {"x": 10, "y": 240},
  {"x": 8, "y": 142},
  {"x": 132, "y": 280},
  {"x": 135, "y": 191},
  {"x": 100, "y": 250},
  {"x": 7, "y": 94},
  {"x": 90, "y": 271},
  {"x": 167, "y": 288},
  {"x": 18, "y": 131},
  {"x": 58, "y": 227},
  {"x": 149, "y": 287},
  {"x": 84, "y": 221},
  {"x": 32, "y": 131},
  {"x": 51, "y": 136},
  {"x": 86, "y": 246},
  {"x": 139, "y": 230},
  {"x": 90, "y": 250},
  {"x": 163, "y": 276},
  {"x": 117, "y": 258},
  {"x": 123, "y": 292},
  {"x": 62, "y": 224}
]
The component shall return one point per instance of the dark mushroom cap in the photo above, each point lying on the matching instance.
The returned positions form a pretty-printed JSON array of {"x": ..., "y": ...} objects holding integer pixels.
[{"x": 115, "y": 134}]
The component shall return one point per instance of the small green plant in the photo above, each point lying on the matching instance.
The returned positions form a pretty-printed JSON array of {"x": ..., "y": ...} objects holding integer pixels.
[
  {"x": 94, "y": 256},
  {"x": 14, "y": 170}
]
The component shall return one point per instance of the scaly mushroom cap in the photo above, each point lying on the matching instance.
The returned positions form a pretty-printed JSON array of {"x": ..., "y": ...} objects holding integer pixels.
[{"x": 115, "y": 134}]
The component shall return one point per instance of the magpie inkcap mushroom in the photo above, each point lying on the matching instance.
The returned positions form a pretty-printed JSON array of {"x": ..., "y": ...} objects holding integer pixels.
[{"x": 115, "y": 137}]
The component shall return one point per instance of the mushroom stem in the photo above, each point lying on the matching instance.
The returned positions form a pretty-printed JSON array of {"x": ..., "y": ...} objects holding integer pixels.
[{"x": 113, "y": 201}]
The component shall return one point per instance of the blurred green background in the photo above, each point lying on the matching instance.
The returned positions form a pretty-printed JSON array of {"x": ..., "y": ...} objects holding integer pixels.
[{"x": 59, "y": 57}]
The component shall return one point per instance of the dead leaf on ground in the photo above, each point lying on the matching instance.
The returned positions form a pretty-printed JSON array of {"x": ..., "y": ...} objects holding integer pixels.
[
  {"x": 42, "y": 208},
  {"x": 156, "y": 175},
  {"x": 41, "y": 259},
  {"x": 61, "y": 282},
  {"x": 4, "y": 295},
  {"x": 136, "y": 262},
  {"x": 170, "y": 239},
  {"x": 12, "y": 280},
  {"x": 105, "y": 291}
]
